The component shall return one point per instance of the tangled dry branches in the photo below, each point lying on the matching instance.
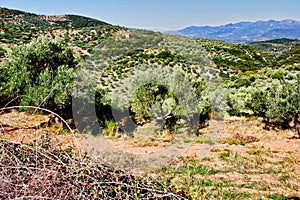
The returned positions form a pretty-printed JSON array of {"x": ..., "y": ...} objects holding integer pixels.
[{"x": 43, "y": 172}]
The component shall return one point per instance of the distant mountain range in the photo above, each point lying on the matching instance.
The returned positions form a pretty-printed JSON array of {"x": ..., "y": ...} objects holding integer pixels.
[{"x": 245, "y": 31}]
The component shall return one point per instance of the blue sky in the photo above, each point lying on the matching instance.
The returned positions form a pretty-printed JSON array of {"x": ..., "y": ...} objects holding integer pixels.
[{"x": 165, "y": 14}]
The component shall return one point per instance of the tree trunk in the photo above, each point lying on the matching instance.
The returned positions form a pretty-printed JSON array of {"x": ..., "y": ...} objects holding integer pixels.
[{"x": 297, "y": 124}]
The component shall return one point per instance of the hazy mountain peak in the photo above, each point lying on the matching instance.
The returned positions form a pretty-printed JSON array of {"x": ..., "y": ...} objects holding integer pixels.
[{"x": 245, "y": 31}]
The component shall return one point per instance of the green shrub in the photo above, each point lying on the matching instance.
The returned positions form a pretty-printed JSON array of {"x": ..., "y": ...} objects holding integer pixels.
[
  {"x": 274, "y": 95},
  {"x": 39, "y": 73},
  {"x": 111, "y": 128},
  {"x": 2, "y": 52}
]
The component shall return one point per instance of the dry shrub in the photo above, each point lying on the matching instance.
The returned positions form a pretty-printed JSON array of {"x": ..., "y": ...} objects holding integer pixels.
[{"x": 43, "y": 172}]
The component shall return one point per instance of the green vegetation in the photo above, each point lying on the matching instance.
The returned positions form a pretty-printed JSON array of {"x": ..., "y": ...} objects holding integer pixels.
[
  {"x": 276, "y": 47},
  {"x": 235, "y": 58},
  {"x": 150, "y": 69},
  {"x": 19, "y": 27},
  {"x": 178, "y": 82},
  {"x": 2, "y": 52},
  {"x": 111, "y": 128},
  {"x": 80, "y": 21},
  {"x": 291, "y": 57},
  {"x": 271, "y": 94},
  {"x": 145, "y": 81},
  {"x": 39, "y": 73},
  {"x": 204, "y": 141}
]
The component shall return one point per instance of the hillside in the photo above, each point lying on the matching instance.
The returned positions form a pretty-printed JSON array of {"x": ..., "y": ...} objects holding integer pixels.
[
  {"x": 276, "y": 47},
  {"x": 285, "y": 52},
  {"x": 233, "y": 58},
  {"x": 245, "y": 31},
  {"x": 90, "y": 110},
  {"x": 82, "y": 33},
  {"x": 41, "y": 21}
]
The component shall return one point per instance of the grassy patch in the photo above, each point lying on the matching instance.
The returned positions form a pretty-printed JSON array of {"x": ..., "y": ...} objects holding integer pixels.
[
  {"x": 234, "y": 141},
  {"x": 281, "y": 197},
  {"x": 256, "y": 152},
  {"x": 235, "y": 195},
  {"x": 225, "y": 155},
  {"x": 200, "y": 140}
]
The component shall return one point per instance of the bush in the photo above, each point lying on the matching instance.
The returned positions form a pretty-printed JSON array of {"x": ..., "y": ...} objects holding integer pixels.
[
  {"x": 158, "y": 96},
  {"x": 2, "y": 52},
  {"x": 277, "y": 98},
  {"x": 38, "y": 73}
]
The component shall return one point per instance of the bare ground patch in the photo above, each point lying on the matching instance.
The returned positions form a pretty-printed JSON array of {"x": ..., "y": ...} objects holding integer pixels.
[{"x": 234, "y": 168}]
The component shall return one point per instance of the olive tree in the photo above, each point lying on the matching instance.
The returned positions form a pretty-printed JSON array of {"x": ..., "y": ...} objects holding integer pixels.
[
  {"x": 273, "y": 97},
  {"x": 154, "y": 94},
  {"x": 39, "y": 73}
]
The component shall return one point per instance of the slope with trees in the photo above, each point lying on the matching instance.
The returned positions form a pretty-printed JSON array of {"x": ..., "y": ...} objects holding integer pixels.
[{"x": 140, "y": 76}]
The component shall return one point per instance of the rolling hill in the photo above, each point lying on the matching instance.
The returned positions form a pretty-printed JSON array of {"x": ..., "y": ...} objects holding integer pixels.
[
  {"x": 63, "y": 21},
  {"x": 83, "y": 33},
  {"x": 276, "y": 47}
]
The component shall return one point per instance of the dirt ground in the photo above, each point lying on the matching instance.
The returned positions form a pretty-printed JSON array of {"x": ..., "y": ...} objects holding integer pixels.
[
  {"x": 245, "y": 157},
  {"x": 25, "y": 128},
  {"x": 238, "y": 155},
  {"x": 268, "y": 165}
]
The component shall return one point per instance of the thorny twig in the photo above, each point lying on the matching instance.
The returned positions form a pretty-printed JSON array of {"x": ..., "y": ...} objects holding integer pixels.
[{"x": 59, "y": 175}]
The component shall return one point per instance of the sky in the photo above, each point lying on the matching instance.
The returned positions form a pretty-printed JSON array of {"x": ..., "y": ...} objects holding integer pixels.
[{"x": 162, "y": 15}]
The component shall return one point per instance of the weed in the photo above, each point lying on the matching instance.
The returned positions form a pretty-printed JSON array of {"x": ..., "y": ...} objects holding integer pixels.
[
  {"x": 225, "y": 155},
  {"x": 284, "y": 178},
  {"x": 247, "y": 178},
  {"x": 64, "y": 131},
  {"x": 279, "y": 197},
  {"x": 187, "y": 140},
  {"x": 255, "y": 152},
  {"x": 235, "y": 195},
  {"x": 110, "y": 128},
  {"x": 206, "y": 159},
  {"x": 234, "y": 141},
  {"x": 200, "y": 140}
]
